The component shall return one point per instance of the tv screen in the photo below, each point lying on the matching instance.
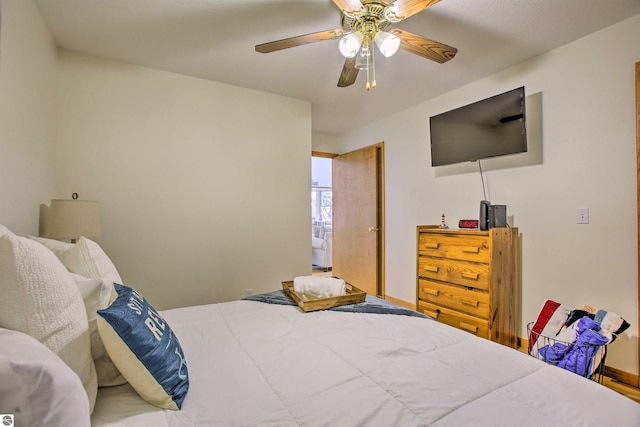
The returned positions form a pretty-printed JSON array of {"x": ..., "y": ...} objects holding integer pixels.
[{"x": 492, "y": 127}]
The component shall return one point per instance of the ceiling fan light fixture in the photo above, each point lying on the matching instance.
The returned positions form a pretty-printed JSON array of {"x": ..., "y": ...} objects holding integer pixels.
[
  {"x": 349, "y": 45},
  {"x": 364, "y": 23},
  {"x": 364, "y": 61},
  {"x": 387, "y": 43}
]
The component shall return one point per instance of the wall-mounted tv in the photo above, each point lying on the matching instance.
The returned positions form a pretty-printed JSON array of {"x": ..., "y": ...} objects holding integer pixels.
[{"x": 492, "y": 127}]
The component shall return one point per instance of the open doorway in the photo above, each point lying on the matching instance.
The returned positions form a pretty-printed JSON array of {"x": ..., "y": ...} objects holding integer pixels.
[
  {"x": 321, "y": 213},
  {"x": 354, "y": 234},
  {"x": 358, "y": 218}
]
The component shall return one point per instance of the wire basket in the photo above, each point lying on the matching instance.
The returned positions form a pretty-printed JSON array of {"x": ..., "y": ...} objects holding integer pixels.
[{"x": 586, "y": 360}]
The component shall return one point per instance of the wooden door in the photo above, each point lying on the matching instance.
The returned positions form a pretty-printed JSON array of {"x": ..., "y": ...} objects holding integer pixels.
[
  {"x": 637, "y": 382},
  {"x": 358, "y": 238}
]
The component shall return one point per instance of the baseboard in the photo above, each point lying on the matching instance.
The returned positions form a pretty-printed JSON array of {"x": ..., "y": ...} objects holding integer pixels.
[
  {"x": 400, "y": 302},
  {"x": 622, "y": 376}
]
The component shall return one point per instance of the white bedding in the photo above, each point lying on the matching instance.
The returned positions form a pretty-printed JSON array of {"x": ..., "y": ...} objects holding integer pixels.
[{"x": 256, "y": 364}]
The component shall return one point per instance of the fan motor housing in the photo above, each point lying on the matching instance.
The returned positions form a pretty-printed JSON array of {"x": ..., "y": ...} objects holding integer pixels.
[{"x": 375, "y": 12}]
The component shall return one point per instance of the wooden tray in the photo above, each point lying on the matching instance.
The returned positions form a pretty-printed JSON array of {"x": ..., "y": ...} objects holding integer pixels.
[{"x": 353, "y": 296}]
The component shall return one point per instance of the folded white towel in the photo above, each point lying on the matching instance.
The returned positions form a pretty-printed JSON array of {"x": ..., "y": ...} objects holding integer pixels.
[{"x": 319, "y": 287}]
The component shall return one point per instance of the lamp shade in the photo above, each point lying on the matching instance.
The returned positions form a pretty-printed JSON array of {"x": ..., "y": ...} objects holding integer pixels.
[
  {"x": 71, "y": 219},
  {"x": 388, "y": 43},
  {"x": 350, "y": 44}
]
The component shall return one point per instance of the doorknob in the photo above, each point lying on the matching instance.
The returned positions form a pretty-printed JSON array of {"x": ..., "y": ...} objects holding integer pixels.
[{"x": 373, "y": 229}]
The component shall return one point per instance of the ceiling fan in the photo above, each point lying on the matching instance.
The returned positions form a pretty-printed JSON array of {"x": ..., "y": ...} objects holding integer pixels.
[{"x": 365, "y": 23}]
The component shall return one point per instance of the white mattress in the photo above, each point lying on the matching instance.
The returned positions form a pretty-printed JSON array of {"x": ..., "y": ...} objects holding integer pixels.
[{"x": 256, "y": 364}]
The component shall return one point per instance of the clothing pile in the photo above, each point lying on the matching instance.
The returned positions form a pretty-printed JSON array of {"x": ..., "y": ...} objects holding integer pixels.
[{"x": 573, "y": 339}]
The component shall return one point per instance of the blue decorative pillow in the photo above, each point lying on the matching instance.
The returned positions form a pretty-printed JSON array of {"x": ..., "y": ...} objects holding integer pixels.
[{"x": 144, "y": 349}]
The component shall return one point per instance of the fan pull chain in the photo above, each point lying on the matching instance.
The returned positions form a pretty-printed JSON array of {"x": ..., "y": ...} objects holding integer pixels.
[
  {"x": 371, "y": 70},
  {"x": 368, "y": 85},
  {"x": 373, "y": 65}
]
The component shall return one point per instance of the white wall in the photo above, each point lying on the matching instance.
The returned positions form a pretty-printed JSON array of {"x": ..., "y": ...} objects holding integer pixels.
[
  {"x": 582, "y": 135},
  {"x": 27, "y": 84},
  {"x": 203, "y": 187},
  {"x": 326, "y": 143}
]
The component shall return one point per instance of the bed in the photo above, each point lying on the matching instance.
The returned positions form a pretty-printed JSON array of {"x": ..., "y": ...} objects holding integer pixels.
[{"x": 255, "y": 363}]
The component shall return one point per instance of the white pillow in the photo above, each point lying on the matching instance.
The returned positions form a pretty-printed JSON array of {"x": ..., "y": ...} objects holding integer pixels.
[
  {"x": 96, "y": 294},
  {"x": 37, "y": 387},
  {"x": 56, "y": 246},
  {"x": 144, "y": 348},
  {"x": 87, "y": 259},
  {"x": 4, "y": 231},
  {"x": 40, "y": 299}
]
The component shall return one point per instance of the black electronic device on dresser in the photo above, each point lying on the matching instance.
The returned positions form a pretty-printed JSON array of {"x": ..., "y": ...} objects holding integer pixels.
[{"x": 492, "y": 216}]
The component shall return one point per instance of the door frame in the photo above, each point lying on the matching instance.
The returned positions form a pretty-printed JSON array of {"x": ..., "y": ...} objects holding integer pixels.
[
  {"x": 322, "y": 154},
  {"x": 380, "y": 211},
  {"x": 637, "y": 381}
]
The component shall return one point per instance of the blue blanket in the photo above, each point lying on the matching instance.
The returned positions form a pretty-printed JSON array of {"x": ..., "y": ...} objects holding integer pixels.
[{"x": 371, "y": 304}]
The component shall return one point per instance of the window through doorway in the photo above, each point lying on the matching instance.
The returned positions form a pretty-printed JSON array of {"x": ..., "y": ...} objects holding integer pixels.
[{"x": 321, "y": 192}]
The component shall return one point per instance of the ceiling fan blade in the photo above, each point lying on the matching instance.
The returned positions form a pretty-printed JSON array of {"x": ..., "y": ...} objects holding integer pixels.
[
  {"x": 422, "y": 46},
  {"x": 299, "y": 41},
  {"x": 348, "y": 5},
  {"x": 349, "y": 73},
  {"x": 405, "y": 8}
]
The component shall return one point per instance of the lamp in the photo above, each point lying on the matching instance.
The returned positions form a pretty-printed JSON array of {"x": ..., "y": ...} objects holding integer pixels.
[
  {"x": 359, "y": 43},
  {"x": 366, "y": 61},
  {"x": 388, "y": 43},
  {"x": 71, "y": 219},
  {"x": 350, "y": 44}
]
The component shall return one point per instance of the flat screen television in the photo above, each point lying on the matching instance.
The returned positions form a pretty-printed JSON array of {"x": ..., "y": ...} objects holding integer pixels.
[{"x": 492, "y": 127}]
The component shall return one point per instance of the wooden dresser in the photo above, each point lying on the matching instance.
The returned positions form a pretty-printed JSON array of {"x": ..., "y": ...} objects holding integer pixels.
[{"x": 469, "y": 279}]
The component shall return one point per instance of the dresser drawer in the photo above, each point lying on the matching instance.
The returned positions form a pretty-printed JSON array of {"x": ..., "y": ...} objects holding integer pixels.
[
  {"x": 455, "y": 246},
  {"x": 453, "y": 271},
  {"x": 473, "y": 302},
  {"x": 456, "y": 319}
]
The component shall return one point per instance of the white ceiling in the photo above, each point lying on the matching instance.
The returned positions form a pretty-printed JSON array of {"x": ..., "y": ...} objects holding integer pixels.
[{"x": 215, "y": 39}]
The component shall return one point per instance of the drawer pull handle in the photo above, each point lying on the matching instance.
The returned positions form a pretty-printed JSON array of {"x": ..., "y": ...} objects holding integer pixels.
[
  {"x": 431, "y": 268},
  {"x": 433, "y": 292},
  {"x": 472, "y": 276},
  {"x": 431, "y": 313},
  {"x": 470, "y": 302},
  {"x": 432, "y": 245},
  {"x": 471, "y": 250},
  {"x": 468, "y": 327}
]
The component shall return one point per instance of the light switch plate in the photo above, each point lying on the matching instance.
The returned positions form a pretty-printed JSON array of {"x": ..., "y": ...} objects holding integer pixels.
[{"x": 582, "y": 216}]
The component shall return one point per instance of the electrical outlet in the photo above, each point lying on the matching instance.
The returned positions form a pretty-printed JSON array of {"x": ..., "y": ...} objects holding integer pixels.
[
  {"x": 248, "y": 292},
  {"x": 582, "y": 216}
]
